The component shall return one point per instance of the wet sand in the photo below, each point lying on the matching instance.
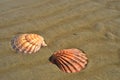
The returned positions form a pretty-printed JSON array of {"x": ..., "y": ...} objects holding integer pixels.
[{"x": 90, "y": 25}]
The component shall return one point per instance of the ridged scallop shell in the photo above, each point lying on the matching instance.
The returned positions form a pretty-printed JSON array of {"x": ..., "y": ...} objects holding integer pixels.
[
  {"x": 69, "y": 60},
  {"x": 28, "y": 43}
]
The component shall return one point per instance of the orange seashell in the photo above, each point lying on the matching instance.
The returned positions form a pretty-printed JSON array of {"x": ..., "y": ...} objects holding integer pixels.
[
  {"x": 28, "y": 43},
  {"x": 69, "y": 60}
]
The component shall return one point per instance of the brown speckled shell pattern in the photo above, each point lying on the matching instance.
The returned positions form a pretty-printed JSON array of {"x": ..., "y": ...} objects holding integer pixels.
[
  {"x": 69, "y": 60},
  {"x": 27, "y": 43}
]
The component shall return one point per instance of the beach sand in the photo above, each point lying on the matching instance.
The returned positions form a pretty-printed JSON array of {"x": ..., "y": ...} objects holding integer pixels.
[{"x": 90, "y": 25}]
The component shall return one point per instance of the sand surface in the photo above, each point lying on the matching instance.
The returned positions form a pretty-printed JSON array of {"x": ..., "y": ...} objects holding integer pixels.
[{"x": 90, "y": 25}]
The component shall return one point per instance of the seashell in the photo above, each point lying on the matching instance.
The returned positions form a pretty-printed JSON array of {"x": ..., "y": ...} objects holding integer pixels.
[
  {"x": 28, "y": 43},
  {"x": 69, "y": 60}
]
